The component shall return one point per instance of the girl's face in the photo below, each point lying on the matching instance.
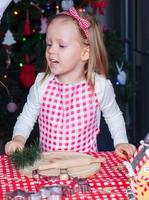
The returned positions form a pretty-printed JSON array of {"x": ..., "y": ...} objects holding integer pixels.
[{"x": 65, "y": 52}]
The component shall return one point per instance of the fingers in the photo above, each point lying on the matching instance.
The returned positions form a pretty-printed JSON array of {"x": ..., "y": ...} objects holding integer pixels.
[
  {"x": 121, "y": 153},
  {"x": 7, "y": 148},
  {"x": 11, "y": 146},
  {"x": 130, "y": 150},
  {"x": 125, "y": 150}
]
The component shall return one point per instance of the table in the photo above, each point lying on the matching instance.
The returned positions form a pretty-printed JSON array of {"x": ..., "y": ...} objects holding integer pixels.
[{"x": 110, "y": 183}]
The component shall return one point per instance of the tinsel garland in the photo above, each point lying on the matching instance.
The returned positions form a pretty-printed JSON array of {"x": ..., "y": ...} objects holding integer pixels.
[{"x": 27, "y": 157}]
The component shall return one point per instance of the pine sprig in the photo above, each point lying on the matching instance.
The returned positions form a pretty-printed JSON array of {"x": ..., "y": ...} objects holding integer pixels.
[{"x": 27, "y": 157}]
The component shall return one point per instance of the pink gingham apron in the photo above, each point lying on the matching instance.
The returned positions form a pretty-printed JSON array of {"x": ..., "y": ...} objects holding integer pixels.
[{"x": 67, "y": 118}]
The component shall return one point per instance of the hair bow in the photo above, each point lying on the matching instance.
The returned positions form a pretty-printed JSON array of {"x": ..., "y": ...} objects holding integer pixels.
[{"x": 83, "y": 23}]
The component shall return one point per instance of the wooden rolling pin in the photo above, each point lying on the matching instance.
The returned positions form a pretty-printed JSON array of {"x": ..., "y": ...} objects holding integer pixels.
[{"x": 72, "y": 162}]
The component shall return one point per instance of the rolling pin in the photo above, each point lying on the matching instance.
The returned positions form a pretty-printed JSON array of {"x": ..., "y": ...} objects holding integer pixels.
[{"x": 72, "y": 162}]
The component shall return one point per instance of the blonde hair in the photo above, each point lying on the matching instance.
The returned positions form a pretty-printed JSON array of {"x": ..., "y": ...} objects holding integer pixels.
[{"x": 98, "y": 59}]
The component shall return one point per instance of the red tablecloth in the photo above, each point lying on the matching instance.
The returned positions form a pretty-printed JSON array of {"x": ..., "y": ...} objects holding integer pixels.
[{"x": 110, "y": 183}]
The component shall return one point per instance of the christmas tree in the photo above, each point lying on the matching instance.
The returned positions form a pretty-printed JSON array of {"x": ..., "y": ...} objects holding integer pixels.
[{"x": 22, "y": 37}]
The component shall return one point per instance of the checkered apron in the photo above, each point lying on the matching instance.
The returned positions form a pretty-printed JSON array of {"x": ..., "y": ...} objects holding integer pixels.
[{"x": 67, "y": 118}]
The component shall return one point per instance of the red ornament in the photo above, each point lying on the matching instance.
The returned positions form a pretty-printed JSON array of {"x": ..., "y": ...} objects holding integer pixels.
[
  {"x": 100, "y": 5},
  {"x": 27, "y": 27},
  {"x": 28, "y": 73}
]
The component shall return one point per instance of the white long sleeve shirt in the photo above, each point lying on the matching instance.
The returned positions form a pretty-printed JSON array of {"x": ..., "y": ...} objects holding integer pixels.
[
  {"x": 3, "y": 6},
  {"x": 107, "y": 105}
]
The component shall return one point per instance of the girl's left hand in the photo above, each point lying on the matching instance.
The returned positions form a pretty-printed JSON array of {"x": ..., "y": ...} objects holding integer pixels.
[{"x": 125, "y": 150}]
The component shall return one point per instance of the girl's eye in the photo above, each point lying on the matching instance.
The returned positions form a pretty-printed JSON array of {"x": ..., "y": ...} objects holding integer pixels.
[
  {"x": 49, "y": 45},
  {"x": 62, "y": 46}
]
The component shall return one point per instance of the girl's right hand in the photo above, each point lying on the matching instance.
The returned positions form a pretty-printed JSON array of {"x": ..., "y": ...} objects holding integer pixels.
[{"x": 12, "y": 145}]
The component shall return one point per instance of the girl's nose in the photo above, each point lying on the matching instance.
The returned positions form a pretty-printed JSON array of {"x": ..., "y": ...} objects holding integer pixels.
[{"x": 51, "y": 49}]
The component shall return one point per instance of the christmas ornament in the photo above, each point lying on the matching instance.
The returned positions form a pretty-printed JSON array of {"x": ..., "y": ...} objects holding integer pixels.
[
  {"x": 27, "y": 28},
  {"x": 3, "y": 6},
  {"x": 66, "y": 4},
  {"x": 11, "y": 107},
  {"x": 57, "y": 9},
  {"x": 16, "y": 1},
  {"x": 121, "y": 76},
  {"x": 99, "y": 5},
  {"x": 27, "y": 75},
  {"x": 8, "y": 39},
  {"x": 44, "y": 24}
]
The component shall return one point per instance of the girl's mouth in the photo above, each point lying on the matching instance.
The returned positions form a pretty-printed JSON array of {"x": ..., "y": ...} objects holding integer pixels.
[{"x": 53, "y": 61}]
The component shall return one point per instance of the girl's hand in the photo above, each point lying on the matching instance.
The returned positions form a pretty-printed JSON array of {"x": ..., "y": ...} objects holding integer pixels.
[
  {"x": 12, "y": 145},
  {"x": 125, "y": 150}
]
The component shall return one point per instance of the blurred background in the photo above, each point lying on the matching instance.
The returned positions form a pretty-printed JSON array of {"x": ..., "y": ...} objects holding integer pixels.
[{"x": 126, "y": 34}]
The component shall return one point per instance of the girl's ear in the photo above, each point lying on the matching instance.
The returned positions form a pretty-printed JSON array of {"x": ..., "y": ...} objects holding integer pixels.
[{"x": 85, "y": 53}]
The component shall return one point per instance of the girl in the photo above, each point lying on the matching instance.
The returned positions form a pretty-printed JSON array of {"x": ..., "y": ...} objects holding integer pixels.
[
  {"x": 3, "y": 6},
  {"x": 69, "y": 97}
]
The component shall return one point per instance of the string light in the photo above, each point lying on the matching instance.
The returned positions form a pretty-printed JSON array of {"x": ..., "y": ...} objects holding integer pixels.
[
  {"x": 48, "y": 7},
  {"x": 117, "y": 83},
  {"x": 40, "y": 37},
  {"x": 80, "y": 10},
  {"x": 21, "y": 64},
  {"x": 24, "y": 39},
  {"x": 15, "y": 12}
]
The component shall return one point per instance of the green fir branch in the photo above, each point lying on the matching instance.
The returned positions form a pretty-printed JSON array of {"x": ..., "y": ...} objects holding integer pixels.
[{"x": 27, "y": 157}]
